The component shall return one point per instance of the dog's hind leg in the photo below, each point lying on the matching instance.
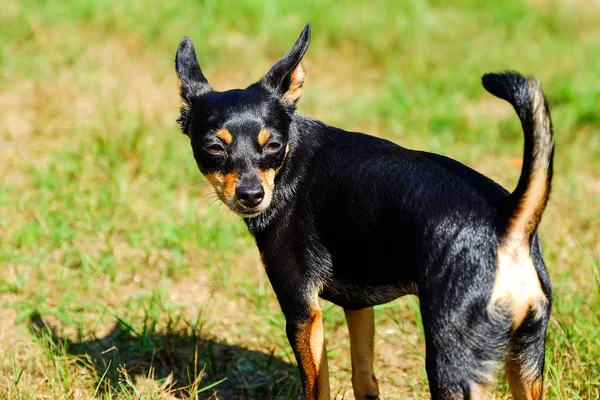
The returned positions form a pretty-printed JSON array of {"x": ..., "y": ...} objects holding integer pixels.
[
  {"x": 525, "y": 363},
  {"x": 361, "y": 327},
  {"x": 465, "y": 348}
]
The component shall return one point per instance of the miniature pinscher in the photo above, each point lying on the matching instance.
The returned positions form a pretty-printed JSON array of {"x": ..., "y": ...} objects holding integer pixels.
[{"x": 361, "y": 221}]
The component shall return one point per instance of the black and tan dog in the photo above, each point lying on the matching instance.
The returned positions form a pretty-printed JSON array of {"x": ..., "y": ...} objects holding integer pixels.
[{"x": 360, "y": 221}]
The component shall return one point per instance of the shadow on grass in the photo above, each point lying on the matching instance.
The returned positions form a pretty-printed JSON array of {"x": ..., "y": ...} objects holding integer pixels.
[{"x": 179, "y": 362}]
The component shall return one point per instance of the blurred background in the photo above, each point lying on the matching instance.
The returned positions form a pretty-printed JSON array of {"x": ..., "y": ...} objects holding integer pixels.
[{"x": 122, "y": 277}]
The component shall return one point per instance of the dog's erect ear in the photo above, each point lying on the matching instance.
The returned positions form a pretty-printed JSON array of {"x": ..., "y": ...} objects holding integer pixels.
[
  {"x": 286, "y": 77},
  {"x": 192, "y": 82}
]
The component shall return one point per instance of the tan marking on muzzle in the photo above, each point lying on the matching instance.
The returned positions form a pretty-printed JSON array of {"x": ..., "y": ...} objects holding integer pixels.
[
  {"x": 224, "y": 184},
  {"x": 268, "y": 183},
  {"x": 268, "y": 178}
]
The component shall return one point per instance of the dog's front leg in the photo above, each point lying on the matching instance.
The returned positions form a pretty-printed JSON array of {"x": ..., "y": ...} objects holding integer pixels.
[{"x": 304, "y": 330}]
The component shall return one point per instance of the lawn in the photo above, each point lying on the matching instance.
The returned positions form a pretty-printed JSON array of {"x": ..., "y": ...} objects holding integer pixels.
[{"x": 121, "y": 274}]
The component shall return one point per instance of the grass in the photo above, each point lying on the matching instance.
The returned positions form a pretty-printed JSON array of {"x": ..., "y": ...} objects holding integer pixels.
[{"x": 123, "y": 278}]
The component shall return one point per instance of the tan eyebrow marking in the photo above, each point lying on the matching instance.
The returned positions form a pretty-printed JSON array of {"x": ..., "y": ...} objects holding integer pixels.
[
  {"x": 225, "y": 135},
  {"x": 263, "y": 137}
]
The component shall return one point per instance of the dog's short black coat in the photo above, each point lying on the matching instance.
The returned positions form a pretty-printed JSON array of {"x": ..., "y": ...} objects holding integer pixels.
[{"x": 360, "y": 221}]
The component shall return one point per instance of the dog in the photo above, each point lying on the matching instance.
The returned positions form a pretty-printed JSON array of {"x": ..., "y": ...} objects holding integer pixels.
[{"x": 360, "y": 221}]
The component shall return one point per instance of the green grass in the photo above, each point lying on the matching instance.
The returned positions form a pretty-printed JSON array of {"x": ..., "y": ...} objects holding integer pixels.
[{"x": 123, "y": 277}]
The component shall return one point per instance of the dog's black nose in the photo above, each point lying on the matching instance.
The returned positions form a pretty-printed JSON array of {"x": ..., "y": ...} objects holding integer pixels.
[{"x": 250, "y": 196}]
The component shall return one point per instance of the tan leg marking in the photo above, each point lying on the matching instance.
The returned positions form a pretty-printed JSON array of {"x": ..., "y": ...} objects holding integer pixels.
[
  {"x": 521, "y": 387},
  {"x": 479, "y": 392},
  {"x": 312, "y": 354},
  {"x": 225, "y": 135},
  {"x": 263, "y": 137},
  {"x": 361, "y": 327}
]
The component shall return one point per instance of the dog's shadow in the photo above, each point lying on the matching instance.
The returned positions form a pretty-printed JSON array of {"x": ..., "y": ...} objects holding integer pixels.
[{"x": 179, "y": 362}]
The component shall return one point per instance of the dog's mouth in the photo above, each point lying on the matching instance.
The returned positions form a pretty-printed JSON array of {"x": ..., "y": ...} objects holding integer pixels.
[
  {"x": 244, "y": 202},
  {"x": 249, "y": 213},
  {"x": 246, "y": 212}
]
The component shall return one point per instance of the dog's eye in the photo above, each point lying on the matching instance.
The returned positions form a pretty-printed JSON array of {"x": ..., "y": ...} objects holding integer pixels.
[
  {"x": 215, "y": 148},
  {"x": 273, "y": 146}
]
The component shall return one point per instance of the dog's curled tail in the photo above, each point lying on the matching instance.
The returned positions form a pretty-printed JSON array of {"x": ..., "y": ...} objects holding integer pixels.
[{"x": 526, "y": 204}]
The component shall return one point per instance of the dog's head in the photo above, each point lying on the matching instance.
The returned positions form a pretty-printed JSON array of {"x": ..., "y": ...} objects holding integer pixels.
[{"x": 240, "y": 137}]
